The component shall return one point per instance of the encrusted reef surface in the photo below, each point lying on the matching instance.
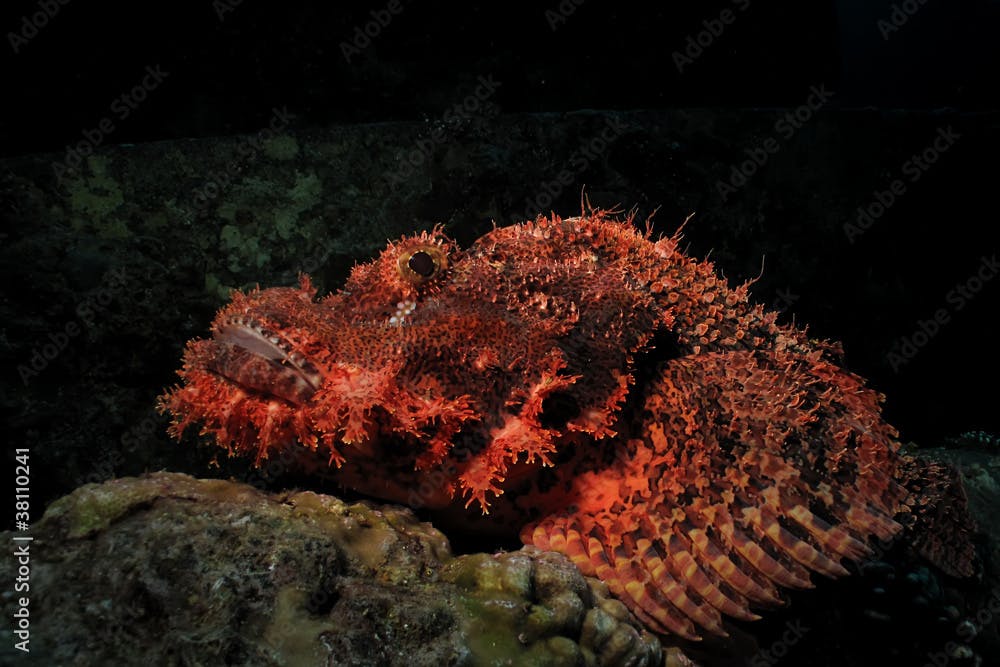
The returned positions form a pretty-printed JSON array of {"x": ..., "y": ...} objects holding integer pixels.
[{"x": 168, "y": 569}]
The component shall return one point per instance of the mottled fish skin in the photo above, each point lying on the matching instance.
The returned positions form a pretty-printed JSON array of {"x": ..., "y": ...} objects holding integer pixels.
[{"x": 604, "y": 393}]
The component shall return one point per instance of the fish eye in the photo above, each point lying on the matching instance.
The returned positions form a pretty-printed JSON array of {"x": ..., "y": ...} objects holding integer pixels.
[{"x": 422, "y": 264}]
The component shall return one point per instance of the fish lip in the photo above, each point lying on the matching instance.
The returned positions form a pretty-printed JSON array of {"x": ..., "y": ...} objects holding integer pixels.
[{"x": 252, "y": 356}]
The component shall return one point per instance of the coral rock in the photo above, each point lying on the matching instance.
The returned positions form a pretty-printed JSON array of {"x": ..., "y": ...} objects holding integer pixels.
[{"x": 170, "y": 570}]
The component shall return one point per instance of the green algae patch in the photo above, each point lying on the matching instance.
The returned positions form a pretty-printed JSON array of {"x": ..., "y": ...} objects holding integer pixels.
[
  {"x": 264, "y": 221},
  {"x": 293, "y": 635},
  {"x": 305, "y": 194},
  {"x": 216, "y": 288},
  {"x": 281, "y": 147},
  {"x": 95, "y": 197},
  {"x": 487, "y": 624},
  {"x": 374, "y": 536},
  {"x": 94, "y": 507},
  {"x": 243, "y": 248},
  {"x": 497, "y": 630}
]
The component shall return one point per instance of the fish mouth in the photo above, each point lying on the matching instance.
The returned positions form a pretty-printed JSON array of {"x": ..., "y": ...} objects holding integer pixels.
[{"x": 252, "y": 356}]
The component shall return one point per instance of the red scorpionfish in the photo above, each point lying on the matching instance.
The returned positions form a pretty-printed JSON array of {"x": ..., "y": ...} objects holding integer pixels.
[{"x": 603, "y": 393}]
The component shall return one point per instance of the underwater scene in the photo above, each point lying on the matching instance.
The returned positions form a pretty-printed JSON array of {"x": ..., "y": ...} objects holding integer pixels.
[{"x": 410, "y": 333}]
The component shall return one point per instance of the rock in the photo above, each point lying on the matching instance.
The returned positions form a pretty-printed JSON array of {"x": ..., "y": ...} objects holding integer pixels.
[{"x": 167, "y": 569}]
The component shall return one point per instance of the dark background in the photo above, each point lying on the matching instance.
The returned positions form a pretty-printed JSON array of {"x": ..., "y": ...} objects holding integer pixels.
[{"x": 227, "y": 74}]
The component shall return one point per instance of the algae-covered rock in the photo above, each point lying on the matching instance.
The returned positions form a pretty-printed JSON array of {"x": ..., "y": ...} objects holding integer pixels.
[{"x": 167, "y": 569}]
